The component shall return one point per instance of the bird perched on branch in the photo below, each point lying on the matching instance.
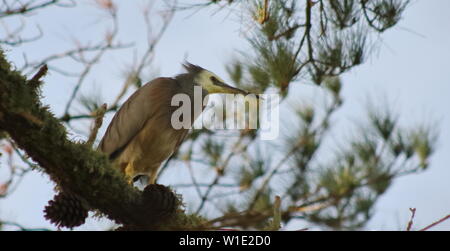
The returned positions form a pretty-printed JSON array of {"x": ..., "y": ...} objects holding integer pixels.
[{"x": 141, "y": 136}]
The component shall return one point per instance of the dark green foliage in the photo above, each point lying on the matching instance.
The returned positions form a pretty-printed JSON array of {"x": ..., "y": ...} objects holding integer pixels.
[
  {"x": 384, "y": 124},
  {"x": 383, "y": 14},
  {"x": 260, "y": 77},
  {"x": 278, "y": 22},
  {"x": 344, "y": 13},
  {"x": 315, "y": 42},
  {"x": 423, "y": 143},
  {"x": 306, "y": 113},
  {"x": 235, "y": 72},
  {"x": 90, "y": 103},
  {"x": 320, "y": 39},
  {"x": 339, "y": 52},
  {"x": 254, "y": 170},
  {"x": 213, "y": 150},
  {"x": 275, "y": 59},
  {"x": 358, "y": 176}
]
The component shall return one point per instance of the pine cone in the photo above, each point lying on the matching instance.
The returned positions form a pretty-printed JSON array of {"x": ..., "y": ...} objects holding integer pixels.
[
  {"x": 160, "y": 199},
  {"x": 66, "y": 210}
]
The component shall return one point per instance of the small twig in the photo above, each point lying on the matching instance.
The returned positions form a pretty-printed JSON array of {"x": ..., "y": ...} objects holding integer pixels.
[
  {"x": 88, "y": 64},
  {"x": 219, "y": 174},
  {"x": 411, "y": 220},
  {"x": 22, "y": 228},
  {"x": 284, "y": 33},
  {"x": 35, "y": 81},
  {"x": 73, "y": 53},
  {"x": 276, "y": 223},
  {"x": 435, "y": 223},
  {"x": 14, "y": 38},
  {"x": 268, "y": 178},
  {"x": 263, "y": 15},
  {"x": 99, "y": 114},
  {"x": 26, "y": 8},
  {"x": 194, "y": 181},
  {"x": 190, "y": 185},
  {"x": 15, "y": 177},
  {"x": 132, "y": 77},
  {"x": 312, "y": 207}
]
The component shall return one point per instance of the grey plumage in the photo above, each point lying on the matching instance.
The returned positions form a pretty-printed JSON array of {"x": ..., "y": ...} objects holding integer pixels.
[{"x": 140, "y": 136}]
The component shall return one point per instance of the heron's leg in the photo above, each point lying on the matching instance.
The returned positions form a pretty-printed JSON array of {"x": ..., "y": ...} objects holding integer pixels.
[
  {"x": 152, "y": 177},
  {"x": 129, "y": 173},
  {"x": 146, "y": 173}
]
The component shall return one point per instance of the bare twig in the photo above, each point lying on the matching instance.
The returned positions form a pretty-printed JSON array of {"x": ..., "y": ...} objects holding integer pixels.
[
  {"x": 190, "y": 185},
  {"x": 14, "y": 38},
  {"x": 99, "y": 114},
  {"x": 18, "y": 7},
  {"x": 220, "y": 171},
  {"x": 411, "y": 220},
  {"x": 35, "y": 81},
  {"x": 194, "y": 181},
  {"x": 435, "y": 223},
  {"x": 16, "y": 173},
  {"x": 20, "y": 227},
  {"x": 276, "y": 222},
  {"x": 72, "y": 53},
  {"x": 132, "y": 77}
]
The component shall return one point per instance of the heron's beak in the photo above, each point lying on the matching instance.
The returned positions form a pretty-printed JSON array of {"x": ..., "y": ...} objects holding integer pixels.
[{"x": 233, "y": 90}]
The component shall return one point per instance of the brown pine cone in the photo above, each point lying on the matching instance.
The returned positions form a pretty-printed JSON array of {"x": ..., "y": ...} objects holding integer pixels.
[
  {"x": 160, "y": 199},
  {"x": 66, "y": 210}
]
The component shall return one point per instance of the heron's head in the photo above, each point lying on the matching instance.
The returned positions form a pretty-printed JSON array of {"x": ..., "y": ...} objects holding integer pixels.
[{"x": 210, "y": 82}]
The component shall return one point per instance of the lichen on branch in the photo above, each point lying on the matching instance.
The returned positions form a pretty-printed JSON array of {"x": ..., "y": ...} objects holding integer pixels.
[{"x": 74, "y": 166}]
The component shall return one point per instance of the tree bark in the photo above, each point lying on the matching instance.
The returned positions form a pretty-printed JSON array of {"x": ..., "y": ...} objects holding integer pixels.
[{"x": 73, "y": 166}]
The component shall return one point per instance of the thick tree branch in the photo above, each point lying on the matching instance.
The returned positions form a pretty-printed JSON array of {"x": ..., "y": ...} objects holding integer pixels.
[{"x": 74, "y": 167}]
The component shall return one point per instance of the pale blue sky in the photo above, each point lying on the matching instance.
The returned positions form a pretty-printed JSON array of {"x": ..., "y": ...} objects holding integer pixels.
[{"x": 411, "y": 69}]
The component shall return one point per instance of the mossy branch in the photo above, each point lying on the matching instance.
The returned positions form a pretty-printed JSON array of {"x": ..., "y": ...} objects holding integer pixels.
[{"x": 74, "y": 167}]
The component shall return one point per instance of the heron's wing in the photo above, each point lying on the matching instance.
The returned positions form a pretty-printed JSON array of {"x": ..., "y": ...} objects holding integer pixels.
[
  {"x": 181, "y": 140},
  {"x": 183, "y": 135},
  {"x": 149, "y": 101},
  {"x": 185, "y": 132}
]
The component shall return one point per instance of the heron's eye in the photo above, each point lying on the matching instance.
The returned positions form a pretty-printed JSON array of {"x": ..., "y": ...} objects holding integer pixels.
[{"x": 213, "y": 79}]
